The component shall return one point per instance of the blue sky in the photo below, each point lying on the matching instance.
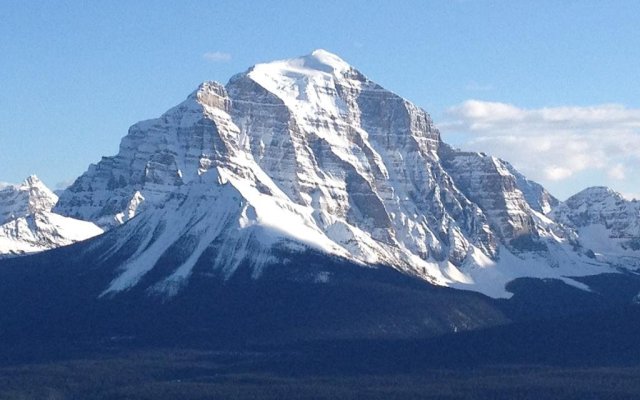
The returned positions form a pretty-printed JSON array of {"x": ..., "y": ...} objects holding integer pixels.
[{"x": 552, "y": 86}]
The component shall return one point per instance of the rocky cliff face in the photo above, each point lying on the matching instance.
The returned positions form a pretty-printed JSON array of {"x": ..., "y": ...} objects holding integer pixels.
[
  {"x": 309, "y": 152},
  {"x": 27, "y": 224}
]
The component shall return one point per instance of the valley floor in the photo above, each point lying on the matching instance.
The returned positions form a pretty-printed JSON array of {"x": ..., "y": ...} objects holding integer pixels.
[{"x": 199, "y": 374}]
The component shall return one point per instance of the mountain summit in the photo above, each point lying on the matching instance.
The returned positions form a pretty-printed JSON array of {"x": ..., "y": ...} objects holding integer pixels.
[
  {"x": 308, "y": 154},
  {"x": 27, "y": 224}
]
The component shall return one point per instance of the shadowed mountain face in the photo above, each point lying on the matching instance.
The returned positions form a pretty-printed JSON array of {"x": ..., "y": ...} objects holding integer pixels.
[
  {"x": 54, "y": 296},
  {"x": 51, "y": 306}
]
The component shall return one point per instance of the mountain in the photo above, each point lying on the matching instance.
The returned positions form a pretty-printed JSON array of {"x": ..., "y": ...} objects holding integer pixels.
[
  {"x": 27, "y": 198},
  {"x": 607, "y": 225},
  {"x": 27, "y": 224},
  {"x": 309, "y": 154}
]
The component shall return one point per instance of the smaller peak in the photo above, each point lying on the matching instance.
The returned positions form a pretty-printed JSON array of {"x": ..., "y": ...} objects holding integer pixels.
[
  {"x": 208, "y": 87},
  {"x": 32, "y": 180},
  {"x": 34, "y": 185},
  {"x": 598, "y": 190},
  {"x": 596, "y": 193},
  {"x": 29, "y": 197},
  {"x": 211, "y": 93}
]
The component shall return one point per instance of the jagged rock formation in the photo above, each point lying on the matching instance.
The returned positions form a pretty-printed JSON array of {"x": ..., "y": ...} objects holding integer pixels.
[{"x": 27, "y": 224}]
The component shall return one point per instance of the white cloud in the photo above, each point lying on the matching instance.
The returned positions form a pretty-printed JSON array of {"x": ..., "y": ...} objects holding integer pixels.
[
  {"x": 556, "y": 173},
  {"x": 617, "y": 172},
  {"x": 217, "y": 56},
  {"x": 552, "y": 144}
]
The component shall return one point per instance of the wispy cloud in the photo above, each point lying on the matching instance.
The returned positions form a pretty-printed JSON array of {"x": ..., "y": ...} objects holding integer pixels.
[
  {"x": 553, "y": 143},
  {"x": 217, "y": 56}
]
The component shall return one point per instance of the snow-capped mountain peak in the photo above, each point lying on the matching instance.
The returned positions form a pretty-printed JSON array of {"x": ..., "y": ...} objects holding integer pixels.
[
  {"x": 29, "y": 197},
  {"x": 596, "y": 194},
  {"x": 607, "y": 225},
  {"x": 316, "y": 63},
  {"x": 597, "y": 205},
  {"x": 27, "y": 224},
  {"x": 327, "y": 58},
  {"x": 308, "y": 152},
  {"x": 309, "y": 83}
]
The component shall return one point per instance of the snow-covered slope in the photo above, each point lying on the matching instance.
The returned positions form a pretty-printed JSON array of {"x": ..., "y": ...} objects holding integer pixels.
[
  {"x": 607, "y": 225},
  {"x": 308, "y": 152},
  {"x": 27, "y": 224}
]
